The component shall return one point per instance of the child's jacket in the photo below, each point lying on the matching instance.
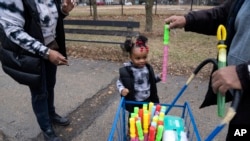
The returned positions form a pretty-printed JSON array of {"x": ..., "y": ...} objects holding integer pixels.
[{"x": 127, "y": 78}]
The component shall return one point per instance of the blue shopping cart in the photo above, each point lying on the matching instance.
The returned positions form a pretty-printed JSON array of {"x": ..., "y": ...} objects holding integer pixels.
[{"x": 119, "y": 130}]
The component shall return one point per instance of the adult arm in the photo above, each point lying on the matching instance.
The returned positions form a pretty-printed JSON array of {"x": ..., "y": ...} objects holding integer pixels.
[
  {"x": 12, "y": 22},
  {"x": 243, "y": 73},
  {"x": 207, "y": 21}
]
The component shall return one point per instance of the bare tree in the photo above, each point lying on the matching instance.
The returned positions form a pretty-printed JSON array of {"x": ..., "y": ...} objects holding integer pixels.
[{"x": 149, "y": 19}]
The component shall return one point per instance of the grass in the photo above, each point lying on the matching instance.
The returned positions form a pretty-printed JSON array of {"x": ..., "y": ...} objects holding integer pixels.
[{"x": 186, "y": 49}]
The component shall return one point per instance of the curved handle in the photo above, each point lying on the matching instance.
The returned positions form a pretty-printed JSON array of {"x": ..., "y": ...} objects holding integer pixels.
[
  {"x": 221, "y": 33},
  {"x": 191, "y": 77}
]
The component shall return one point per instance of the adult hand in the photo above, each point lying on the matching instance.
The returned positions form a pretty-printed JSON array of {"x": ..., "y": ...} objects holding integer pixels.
[
  {"x": 224, "y": 79},
  {"x": 57, "y": 58},
  {"x": 125, "y": 92},
  {"x": 176, "y": 21},
  {"x": 68, "y": 5}
]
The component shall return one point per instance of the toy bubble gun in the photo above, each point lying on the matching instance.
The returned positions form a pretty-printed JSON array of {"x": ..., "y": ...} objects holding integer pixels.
[
  {"x": 165, "y": 53},
  {"x": 222, "y": 56}
]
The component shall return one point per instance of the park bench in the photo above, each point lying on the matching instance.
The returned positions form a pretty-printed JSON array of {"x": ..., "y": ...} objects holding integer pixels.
[{"x": 100, "y": 27}]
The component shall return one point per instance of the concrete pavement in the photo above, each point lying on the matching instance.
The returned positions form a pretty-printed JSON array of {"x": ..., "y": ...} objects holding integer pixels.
[
  {"x": 87, "y": 88},
  {"x": 75, "y": 83}
]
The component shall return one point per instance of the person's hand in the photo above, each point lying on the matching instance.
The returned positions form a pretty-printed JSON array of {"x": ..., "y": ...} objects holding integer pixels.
[
  {"x": 124, "y": 92},
  {"x": 56, "y": 58},
  {"x": 160, "y": 75},
  {"x": 224, "y": 79},
  {"x": 68, "y": 5},
  {"x": 176, "y": 21}
]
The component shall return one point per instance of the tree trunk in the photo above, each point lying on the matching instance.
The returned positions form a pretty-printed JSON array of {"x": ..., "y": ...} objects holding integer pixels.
[
  {"x": 94, "y": 9},
  {"x": 149, "y": 20}
]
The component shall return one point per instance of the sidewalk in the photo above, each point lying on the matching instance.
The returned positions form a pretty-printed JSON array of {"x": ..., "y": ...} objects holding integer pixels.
[
  {"x": 75, "y": 83},
  {"x": 79, "y": 84}
]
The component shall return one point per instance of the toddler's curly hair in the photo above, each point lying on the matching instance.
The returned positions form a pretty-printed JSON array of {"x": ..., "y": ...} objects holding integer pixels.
[{"x": 140, "y": 42}]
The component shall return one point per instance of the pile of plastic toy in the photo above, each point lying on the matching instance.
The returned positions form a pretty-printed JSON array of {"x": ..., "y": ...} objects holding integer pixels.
[{"x": 150, "y": 123}]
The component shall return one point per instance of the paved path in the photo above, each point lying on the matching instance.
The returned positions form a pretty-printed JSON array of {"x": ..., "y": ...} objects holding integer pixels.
[{"x": 85, "y": 92}]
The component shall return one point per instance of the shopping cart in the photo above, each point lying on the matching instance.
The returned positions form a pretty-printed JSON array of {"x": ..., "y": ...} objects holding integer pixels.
[{"x": 119, "y": 130}]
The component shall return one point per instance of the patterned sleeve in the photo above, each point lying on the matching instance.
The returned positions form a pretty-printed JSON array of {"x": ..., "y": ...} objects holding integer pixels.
[
  {"x": 12, "y": 21},
  {"x": 119, "y": 85}
]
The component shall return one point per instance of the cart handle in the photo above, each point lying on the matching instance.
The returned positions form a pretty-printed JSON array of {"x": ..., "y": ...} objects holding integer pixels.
[
  {"x": 197, "y": 69},
  {"x": 229, "y": 116}
]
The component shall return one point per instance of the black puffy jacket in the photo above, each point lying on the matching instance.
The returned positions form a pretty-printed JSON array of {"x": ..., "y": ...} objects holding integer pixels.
[{"x": 127, "y": 79}]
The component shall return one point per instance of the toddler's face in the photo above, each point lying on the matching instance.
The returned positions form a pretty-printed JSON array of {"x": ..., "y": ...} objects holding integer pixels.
[{"x": 139, "y": 56}]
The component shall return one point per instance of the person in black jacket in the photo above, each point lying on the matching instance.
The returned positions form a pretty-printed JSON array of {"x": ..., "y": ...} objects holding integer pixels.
[
  {"x": 137, "y": 81},
  {"x": 37, "y": 27},
  {"x": 234, "y": 14}
]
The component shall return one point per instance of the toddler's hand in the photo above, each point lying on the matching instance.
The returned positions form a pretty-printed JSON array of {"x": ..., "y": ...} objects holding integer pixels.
[
  {"x": 124, "y": 92},
  {"x": 160, "y": 75}
]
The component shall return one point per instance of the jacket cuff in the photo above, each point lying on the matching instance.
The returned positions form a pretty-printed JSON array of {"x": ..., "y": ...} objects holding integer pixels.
[
  {"x": 243, "y": 74},
  {"x": 120, "y": 90},
  {"x": 157, "y": 78},
  {"x": 189, "y": 20}
]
